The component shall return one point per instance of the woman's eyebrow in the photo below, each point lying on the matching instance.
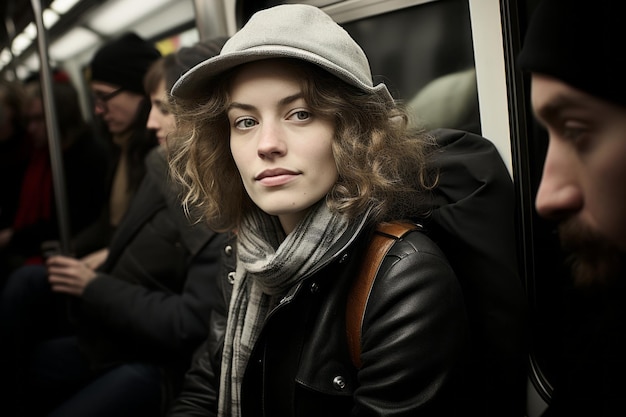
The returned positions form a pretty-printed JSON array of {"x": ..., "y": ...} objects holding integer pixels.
[
  {"x": 282, "y": 102},
  {"x": 241, "y": 106},
  {"x": 291, "y": 98}
]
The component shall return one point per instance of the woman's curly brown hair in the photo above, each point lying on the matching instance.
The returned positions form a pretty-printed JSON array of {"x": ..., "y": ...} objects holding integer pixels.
[{"x": 381, "y": 164}]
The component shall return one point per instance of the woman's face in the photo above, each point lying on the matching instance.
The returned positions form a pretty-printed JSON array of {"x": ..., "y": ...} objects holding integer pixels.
[
  {"x": 283, "y": 151},
  {"x": 161, "y": 120}
]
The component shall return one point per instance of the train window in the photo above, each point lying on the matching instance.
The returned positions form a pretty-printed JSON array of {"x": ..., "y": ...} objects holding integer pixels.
[
  {"x": 538, "y": 244},
  {"x": 557, "y": 317},
  {"x": 432, "y": 69},
  {"x": 414, "y": 51},
  {"x": 547, "y": 284}
]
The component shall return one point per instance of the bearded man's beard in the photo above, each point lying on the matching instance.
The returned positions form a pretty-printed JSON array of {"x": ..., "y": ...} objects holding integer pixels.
[{"x": 593, "y": 260}]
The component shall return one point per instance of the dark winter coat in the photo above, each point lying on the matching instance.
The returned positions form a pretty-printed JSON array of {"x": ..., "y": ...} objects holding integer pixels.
[{"x": 152, "y": 298}]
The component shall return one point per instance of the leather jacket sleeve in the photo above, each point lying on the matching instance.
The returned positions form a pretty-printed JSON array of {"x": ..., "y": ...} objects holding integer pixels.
[{"x": 415, "y": 333}]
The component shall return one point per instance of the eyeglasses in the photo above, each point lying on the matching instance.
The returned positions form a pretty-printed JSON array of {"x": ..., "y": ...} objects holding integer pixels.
[{"x": 101, "y": 99}]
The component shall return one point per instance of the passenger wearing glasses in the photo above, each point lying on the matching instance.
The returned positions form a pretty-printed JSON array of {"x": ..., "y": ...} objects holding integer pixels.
[
  {"x": 125, "y": 331},
  {"x": 122, "y": 105}
]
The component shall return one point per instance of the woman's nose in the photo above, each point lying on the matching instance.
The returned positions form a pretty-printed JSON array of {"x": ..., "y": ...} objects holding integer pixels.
[{"x": 271, "y": 142}]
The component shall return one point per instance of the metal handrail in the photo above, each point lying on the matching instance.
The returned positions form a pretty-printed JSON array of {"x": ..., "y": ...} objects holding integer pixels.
[{"x": 54, "y": 140}]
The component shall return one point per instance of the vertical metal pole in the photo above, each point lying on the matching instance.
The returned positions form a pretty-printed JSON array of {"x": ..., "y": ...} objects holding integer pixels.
[
  {"x": 54, "y": 142},
  {"x": 10, "y": 28},
  {"x": 211, "y": 18}
]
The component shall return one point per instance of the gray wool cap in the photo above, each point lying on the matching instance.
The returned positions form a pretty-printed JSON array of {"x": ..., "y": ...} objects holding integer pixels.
[{"x": 288, "y": 31}]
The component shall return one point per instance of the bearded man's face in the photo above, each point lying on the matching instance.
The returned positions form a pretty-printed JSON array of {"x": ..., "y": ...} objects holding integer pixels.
[
  {"x": 593, "y": 259},
  {"x": 583, "y": 185}
]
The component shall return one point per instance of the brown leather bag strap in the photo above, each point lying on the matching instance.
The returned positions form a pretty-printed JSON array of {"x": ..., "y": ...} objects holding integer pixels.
[{"x": 385, "y": 236}]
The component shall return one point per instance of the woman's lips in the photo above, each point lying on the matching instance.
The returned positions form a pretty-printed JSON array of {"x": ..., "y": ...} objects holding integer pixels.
[{"x": 275, "y": 177}]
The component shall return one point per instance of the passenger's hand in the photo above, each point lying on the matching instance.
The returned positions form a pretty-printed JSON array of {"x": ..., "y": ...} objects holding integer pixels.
[
  {"x": 95, "y": 259},
  {"x": 68, "y": 275},
  {"x": 5, "y": 237}
]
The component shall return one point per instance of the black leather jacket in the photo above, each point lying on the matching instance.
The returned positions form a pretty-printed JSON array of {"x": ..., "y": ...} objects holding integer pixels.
[{"x": 415, "y": 335}]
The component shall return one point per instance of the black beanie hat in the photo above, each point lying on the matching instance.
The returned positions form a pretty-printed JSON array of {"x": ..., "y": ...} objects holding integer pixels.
[
  {"x": 124, "y": 62},
  {"x": 581, "y": 43}
]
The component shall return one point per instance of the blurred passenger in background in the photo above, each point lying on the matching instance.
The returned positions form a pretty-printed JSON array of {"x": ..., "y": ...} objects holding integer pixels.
[
  {"x": 162, "y": 76},
  {"x": 449, "y": 101},
  {"x": 133, "y": 322},
  {"x": 14, "y": 152},
  {"x": 86, "y": 161},
  {"x": 121, "y": 104}
]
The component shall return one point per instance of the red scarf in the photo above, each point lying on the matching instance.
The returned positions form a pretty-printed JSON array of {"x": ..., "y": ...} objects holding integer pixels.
[{"x": 36, "y": 195}]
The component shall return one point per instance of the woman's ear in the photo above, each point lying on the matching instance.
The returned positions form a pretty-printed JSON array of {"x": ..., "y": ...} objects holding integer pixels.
[{"x": 398, "y": 119}]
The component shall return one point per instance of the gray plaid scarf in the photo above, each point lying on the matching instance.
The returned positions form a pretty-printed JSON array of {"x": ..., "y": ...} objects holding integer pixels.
[{"x": 268, "y": 265}]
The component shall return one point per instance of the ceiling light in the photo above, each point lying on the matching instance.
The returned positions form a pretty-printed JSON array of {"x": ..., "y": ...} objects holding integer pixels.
[
  {"x": 73, "y": 42},
  {"x": 50, "y": 17},
  {"x": 30, "y": 31},
  {"x": 171, "y": 15},
  {"x": 63, "y": 6},
  {"x": 113, "y": 16},
  {"x": 32, "y": 62},
  {"x": 5, "y": 56},
  {"x": 22, "y": 72},
  {"x": 20, "y": 44}
]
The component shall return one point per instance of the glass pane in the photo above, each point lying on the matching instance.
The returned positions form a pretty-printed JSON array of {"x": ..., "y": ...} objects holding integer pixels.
[{"x": 424, "y": 62}]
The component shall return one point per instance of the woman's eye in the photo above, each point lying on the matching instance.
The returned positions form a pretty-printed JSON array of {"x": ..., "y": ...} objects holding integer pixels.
[
  {"x": 300, "y": 115},
  {"x": 245, "y": 123}
]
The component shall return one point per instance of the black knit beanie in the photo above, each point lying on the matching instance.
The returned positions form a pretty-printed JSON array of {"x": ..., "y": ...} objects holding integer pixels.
[
  {"x": 581, "y": 43},
  {"x": 124, "y": 62}
]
